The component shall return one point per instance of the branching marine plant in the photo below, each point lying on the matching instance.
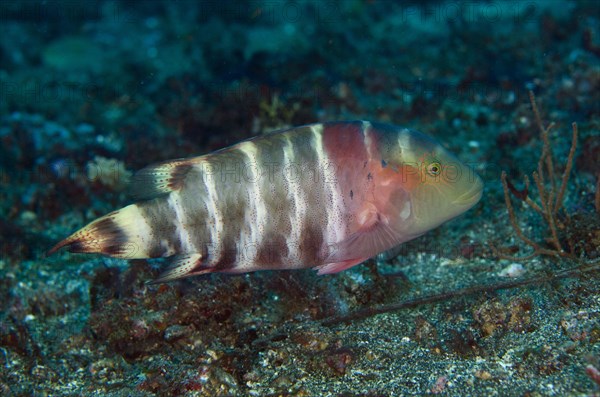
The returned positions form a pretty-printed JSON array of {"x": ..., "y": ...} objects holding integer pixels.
[{"x": 564, "y": 229}]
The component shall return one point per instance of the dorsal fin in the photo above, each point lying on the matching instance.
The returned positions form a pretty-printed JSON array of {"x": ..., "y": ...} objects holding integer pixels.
[{"x": 161, "y": 179}]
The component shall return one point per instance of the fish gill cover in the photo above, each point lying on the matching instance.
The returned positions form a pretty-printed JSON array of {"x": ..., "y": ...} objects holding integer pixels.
[{"x": 500, "y": 301}]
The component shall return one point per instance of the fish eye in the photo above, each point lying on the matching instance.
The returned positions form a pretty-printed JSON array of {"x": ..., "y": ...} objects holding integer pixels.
[{"x": 434, "y": 169}]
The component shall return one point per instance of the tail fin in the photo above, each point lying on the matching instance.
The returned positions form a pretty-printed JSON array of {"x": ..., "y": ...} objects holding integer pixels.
[{"x": 109, "y": 235}]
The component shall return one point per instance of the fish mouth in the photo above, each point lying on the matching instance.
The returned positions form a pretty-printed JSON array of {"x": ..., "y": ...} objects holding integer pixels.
[{"x": 472, "y": 196}]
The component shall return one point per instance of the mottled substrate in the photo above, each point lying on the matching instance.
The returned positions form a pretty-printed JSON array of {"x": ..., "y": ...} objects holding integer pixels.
[
  {"x": 85, "y": 325},
  {"x": 106, "y": 331}
]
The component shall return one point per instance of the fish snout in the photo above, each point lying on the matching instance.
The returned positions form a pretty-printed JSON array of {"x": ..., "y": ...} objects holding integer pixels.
[{"x": 472, "y": 195}]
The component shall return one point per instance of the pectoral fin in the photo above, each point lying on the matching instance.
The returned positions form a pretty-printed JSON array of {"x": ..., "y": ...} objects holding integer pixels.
[
  {"x": 377, "y": 232},
  {"x": 337, "y": 267}
]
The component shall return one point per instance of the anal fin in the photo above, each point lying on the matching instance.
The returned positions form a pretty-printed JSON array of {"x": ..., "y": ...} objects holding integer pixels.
[{"x": 183, "y": 266}]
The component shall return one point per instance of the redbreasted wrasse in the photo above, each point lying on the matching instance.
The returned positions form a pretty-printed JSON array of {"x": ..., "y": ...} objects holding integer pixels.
[{"x": 328, "y": 195}]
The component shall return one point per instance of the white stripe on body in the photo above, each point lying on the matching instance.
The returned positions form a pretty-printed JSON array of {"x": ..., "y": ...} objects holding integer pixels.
[
  {"x": 255, "y": 219},
  {"x": 174, "y": 202},
  {"x": 143, "y": 231},
  {"x": 294, "y": 176},
  {"x": 332, "y": 199},
  {"x": 214, "y": 216}
]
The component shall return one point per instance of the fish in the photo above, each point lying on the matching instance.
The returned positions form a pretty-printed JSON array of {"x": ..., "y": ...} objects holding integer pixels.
[{"x": 327, "y": 196}]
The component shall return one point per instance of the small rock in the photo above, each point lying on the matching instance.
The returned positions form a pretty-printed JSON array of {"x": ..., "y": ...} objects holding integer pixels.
[
  {"x": 28, "y": 217},
  {"x": 339, "y": 360},
  {"x": 225, "y": 378},
  {"x": 175, "y": 332},
  {"x": 44, "y": 373},
  {"x": 513, "y": 270},
  {"x": 483, "y": 375}
]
